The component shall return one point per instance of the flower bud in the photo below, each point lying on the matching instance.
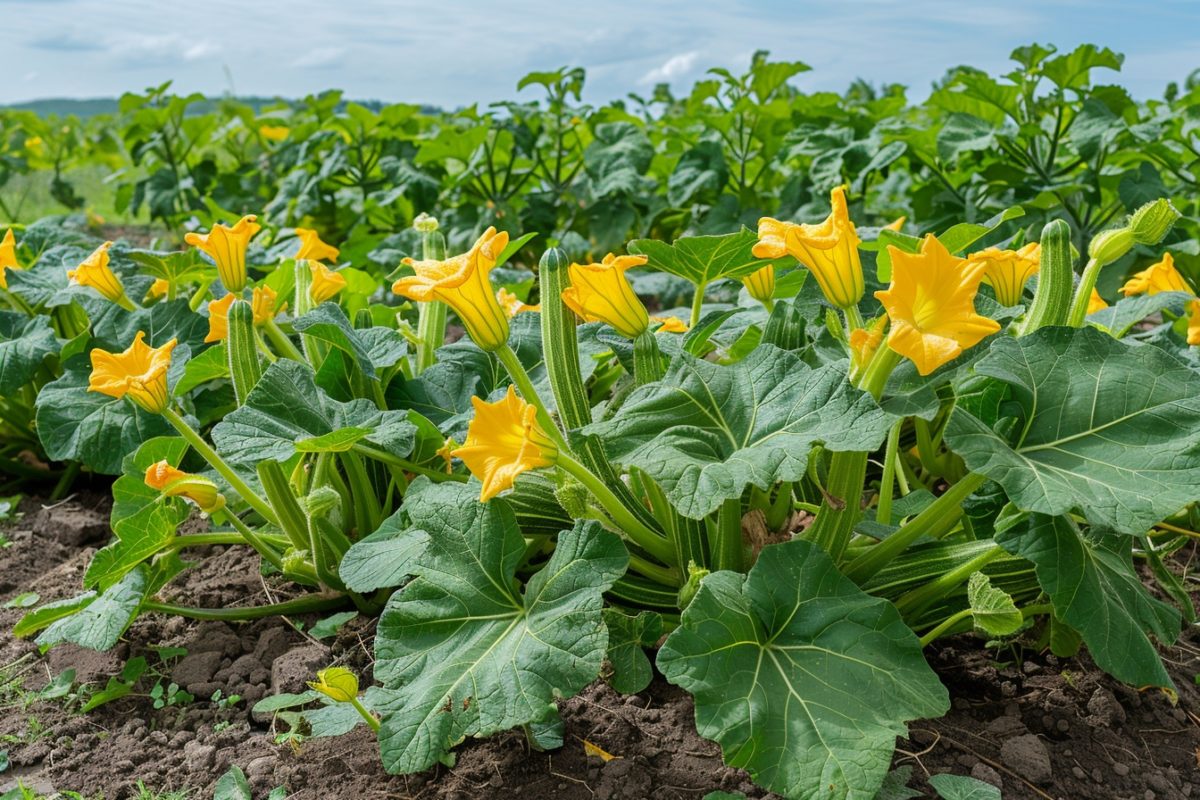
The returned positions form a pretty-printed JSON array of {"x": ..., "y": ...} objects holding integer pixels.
[
  {"x": 425, "y": 223},
  {"x": 688, "y": 591},
  {"x": 336, "y": 683},
  {"x": 1110, "y": 245},
  {"x": 1153, "y": 221},
  {"x": 322, "y": 500}
]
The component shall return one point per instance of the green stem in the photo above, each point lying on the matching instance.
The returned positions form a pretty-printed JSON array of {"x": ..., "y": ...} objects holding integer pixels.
[
  {"x": 727, "y": 550},
  {"x": 945, "y": 626},
  {"x": 883, "y": 513},
  {"x": 854, "y": 319},
  {"x": 301, "y": 605},
  {"x": 524, "y": 384},
  {"x": 919, "y": 599},
  {"x": 874, "y": 380},
  {"x": 406, "y": 465},
  {"x": 367, "y": 716},
  {"x": 1083, "y": 293},
  {"x": 259, "y": 542},
  {"x": 650, "y": 541},
  {"x": 431, "y": 330},
  {"x": 842, "y": 505},
  {"x": 697, "y": 304},
  {"x": 280, "y": 341},
  {"x": 937, "y": 516},
  {"x": 202, "y": 447}
]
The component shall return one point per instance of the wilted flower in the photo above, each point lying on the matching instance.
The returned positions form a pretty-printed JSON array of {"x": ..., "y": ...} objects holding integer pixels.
[
  {"x": 931, "y": 303},
  {"x": 227, "y": 247},
  {"x": 1007, "y": 271},
  {"x": 139, "y": 373},
  {"x": 602, "y": 293},
  {"x": 325, "y": 283},
  {"x": 504, "y": 440},
  {"x": 173, "y": 482},
  {"x": 1159, "y": 277}
]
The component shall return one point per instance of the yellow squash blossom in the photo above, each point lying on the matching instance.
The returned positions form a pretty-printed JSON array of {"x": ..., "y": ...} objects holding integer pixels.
[
  {"x": 218, "y": 319},
  {"x": 512, "y": 304},
  {"x": 174, "y": 482},
  {"x": 463, "y": 283},
  {"x": 897, "y": 224},
  {"x": 95, "y": 272},
  {"x": 931, "y": 303},
  {"x": 761, "y": 284},
  {"x": 336, "y": 683},
  {"x": 864, "y": 342},
  {"x": 602, "y": 293},
  {"x": 312, "y": 248},
  {"x": 273, "y": 133},
  {"x": 1096, "y": 302},
  {"x": 1160, "y": 277},
  {"x": 829, "y": 250},
  {"x": 1193, "y": 323},
  {"x": 1007, "y": 271},
  {"x": 504, "y": 440},
  {"x": 670, "y": 325},
  {"x": 139, "y": 373},
  {"x": 227, "y": 247},
  {"x": 325, "y": 283},
  {"x": 159, "y": 288},
  {"x": 8, "y": 257},
  {"x": 263, "y": 304}
]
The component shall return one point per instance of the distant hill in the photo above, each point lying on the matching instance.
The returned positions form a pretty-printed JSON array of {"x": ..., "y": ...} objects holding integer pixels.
[{"x": 65, "y": 106}]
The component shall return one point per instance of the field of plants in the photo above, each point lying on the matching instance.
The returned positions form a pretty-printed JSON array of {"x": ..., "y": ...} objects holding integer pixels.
[{"x": 743, "y": 443}]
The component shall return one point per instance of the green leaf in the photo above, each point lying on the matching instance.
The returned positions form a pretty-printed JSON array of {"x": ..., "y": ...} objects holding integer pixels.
[
  {"x": 628, "y": 638},
  {"x": 1108, "y": 428},
  {"x": 959, "y": 237},
  {"x": 40, "y": 617},
  {"x": 370, "y": 349},
  {"x": 704, "y": 259},
  {"x": 382, "y": 560},
  {"x": 895, "y": 785},
  {"x": 210, "y": 365},
  {"x": 99, "y": 624},
  {"x": 467, "y": 651},
  {"x": 1122, "y": 315},
  {"x": 24, "y": 345},
  {"x": 329, "y": 626},
  {"x": 1092, "y": 584},
  {"x": 992, "y": 609},
  {"x": 803, "y": 679},
  {"x": 232, "y": 785},
  {"x": 960, "y": 787},
  {"x": 702, "y": 172},
  {"x": 706, "y": 431},
  {"x": 963, "y": 133},
  {"x": 1071, "y": 70},
  {"x": 286, "y": 412},
  {"x": 144, "y": 521},
  {"x": 98, "y": 430}
]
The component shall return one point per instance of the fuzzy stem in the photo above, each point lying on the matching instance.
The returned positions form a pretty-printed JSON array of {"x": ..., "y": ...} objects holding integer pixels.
[
  {"x": 300, "y": 605},
  {"x": 653, "y": 543}
]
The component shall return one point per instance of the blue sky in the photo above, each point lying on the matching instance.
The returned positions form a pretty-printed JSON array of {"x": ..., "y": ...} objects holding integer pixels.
[{"x": 458, "y": 52}]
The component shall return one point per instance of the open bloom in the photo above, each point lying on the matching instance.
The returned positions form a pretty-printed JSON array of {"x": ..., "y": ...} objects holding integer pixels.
[
  {"x": 513, "y": 305},
  {"x": 602, "y": 293},
  {"x": 761, "y": 284},
  {"x": 1193, "y": 323},
  {"x": 1096, "y": 302},
  {"x": 227, "y": 247},
  {"x": 325, "y": 283},
  {"x": 158, "y": 289},
  {"x": 670, "y": 325},
  {"x": 174, "y": 482},
  {"x": 463, "y": 283},
  {"x": 95, "y": 272},
  {"x": 504, "y": 440},
  {"x": 218, "y": 318},
  {"x": 931, "y": 304},
  {"x": 1007, "y": 271},
  {"x": 312, "y": 248},
  {"x": 263, "y": 304},
  {"x": 139, "y": 373},
  {"x": 336, "y": 683},
  {"x": 1160, "y": 277},
  {"x": 8, "y": 257},
  {"x": 829, "y": 250}
]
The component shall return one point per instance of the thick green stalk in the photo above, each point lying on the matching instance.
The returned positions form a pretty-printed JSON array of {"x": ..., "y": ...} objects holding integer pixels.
[
  {"x": 431, "y": 316},
  {"x": 210, "y": 455},
  {"x": 280, "y": 341},
  {"x": 697, "y": 305},
  {"x": 1083, "y": 293},
  {"x": 842, "y": 505},
  {"x": 920, "y": 598},
  {"x": 371, "y": 451},
  {"x": 883, "y": 513},
  {"x": 264, "y": 545},
  {"x": 241, "y": 351},
  {"x": 647, "y": 359},
  {"x": 301, "y": 605},
  {"x": 278, "y": 489},
  {"x": 642, "y": 535},
  {"x": 728, "y": 551},
  {"x": 1052, "y": 300}
]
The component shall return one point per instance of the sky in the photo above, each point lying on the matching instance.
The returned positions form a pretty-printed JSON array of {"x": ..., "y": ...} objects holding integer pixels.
[{"x": 458, "y": 52}]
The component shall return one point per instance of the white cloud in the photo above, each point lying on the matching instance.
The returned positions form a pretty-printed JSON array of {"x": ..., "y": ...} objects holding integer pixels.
[
  {"x": 320, "y": 57},
  {"x": 674, "y": 68}
]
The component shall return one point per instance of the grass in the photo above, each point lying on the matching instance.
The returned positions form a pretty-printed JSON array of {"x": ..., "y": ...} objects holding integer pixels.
[{"x": 28, "y": 197}]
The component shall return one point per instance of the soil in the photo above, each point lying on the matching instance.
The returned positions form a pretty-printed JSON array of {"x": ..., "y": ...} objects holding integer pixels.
[{"x": 1037, "y": 726}]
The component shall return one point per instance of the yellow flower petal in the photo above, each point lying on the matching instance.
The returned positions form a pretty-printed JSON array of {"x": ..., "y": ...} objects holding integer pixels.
[
  {"x": 173, "y": 482},
  {"x": 931, "y": 304},
  {"x": 226, "y": 246},
  {"x": 602, "y": 293},
  {"x": 503, "y": 440},
  {"x": 512, "y": 304},
  {"x": 139, "y": 373},
  {"x": 325, "y": 283},
  {"x": 312, "y": 248},
  {"x": 829, "y": 250},
  {"x": 8, "y": 256},
  {"x": 670, "y": 325},
  {"x": 463, "y": 283},
  {"x": 1007, "y": 271},
  {"x": 273, "y": 133},
  {"x": 1159, "y": 277},
  {"x": 95, "y": 272},
  {"x": 336, "y": 683},
  {"x": 1096, "y": 303},
  {"x": 218, "y": 319},
  {"x": 761, "y": 284},
  {"x": 1193, "y": 323},
  {"x": 263, "y": 304},
  {"x": 159, "y": 288}
]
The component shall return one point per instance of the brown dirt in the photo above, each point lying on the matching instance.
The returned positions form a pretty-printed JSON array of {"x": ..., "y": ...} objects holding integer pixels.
[{"x": 1038, "y": 726}]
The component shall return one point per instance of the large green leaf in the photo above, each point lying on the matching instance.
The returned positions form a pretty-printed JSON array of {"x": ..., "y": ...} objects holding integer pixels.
[
  {"x": 370, "y": 349},
  {"x": 1092, "y": 585},
  {"x": 100, "y": 623},
  {"x": 628, "y": 638},
  {"x": 24, "y": 345},
  {"x": 803, "y": 679},
  {"x": 383, "y": 558},
  {"x": 1108, "y": 428},
  {"x": 286, "y": 412},
  {"x": 704, "y": 259},
  {"x": 1122, "y": 315},
  {"x": 706, "y": 431},
  {"x": 467, "y": 651},
  {"x": 98, "y": 430}
]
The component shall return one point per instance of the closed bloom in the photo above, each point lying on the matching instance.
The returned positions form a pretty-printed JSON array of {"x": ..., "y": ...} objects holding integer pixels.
[
  {"x": 263, "y": 304},
  {"x": 463, "y": 283},
  {"x": 8, "y": 257},
  {"x": 274, "y": 133},
  {"x": 325, "y": 283},
  {"x": 1193, "y": 323},
  {"x": 139, "y": 373},
  {"x": 1007, "y": 271},
  {"x": 931, "y": 303},
  {"x": 602, "y": 293},
  {"x": 829, "y": 250},
  {"x": 864, "y": 342},
  {"x": 1160, "y": 277},
  {"x": 95, "y": 272},
  {"x": 513, "y": 305},
  {"x": 218, "y": 319},
  {"x": 336, "y": 683},
  {"x": 174, "y": 482},
  {"x": 312, "y": 248},
  {"x": 504, "y": 440},
  {"x": 670, "y": 325},
  {"x": 1096, "y": 302},
  {"x": 227, "y": 247},
  {"x": 158, "y": 288},
  {"x": 761, "y": 284},
  {"x": 897, "y": 224}
]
